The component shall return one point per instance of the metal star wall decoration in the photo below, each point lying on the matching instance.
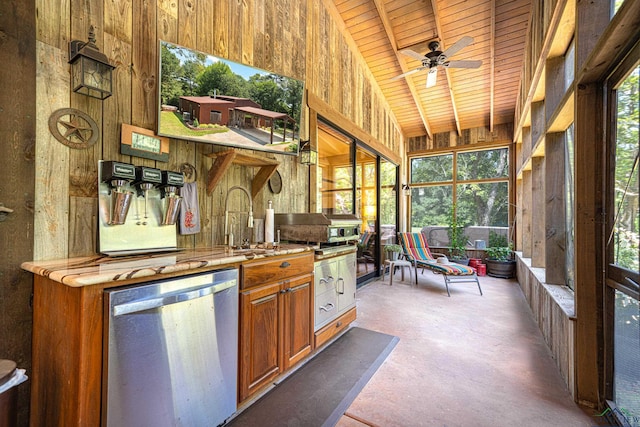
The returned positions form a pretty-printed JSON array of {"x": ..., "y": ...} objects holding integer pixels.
[{"x": 73, "y": 128}]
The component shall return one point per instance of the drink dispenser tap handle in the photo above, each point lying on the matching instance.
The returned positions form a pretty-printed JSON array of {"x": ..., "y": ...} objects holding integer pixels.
[{"x": 171, "y": 181}]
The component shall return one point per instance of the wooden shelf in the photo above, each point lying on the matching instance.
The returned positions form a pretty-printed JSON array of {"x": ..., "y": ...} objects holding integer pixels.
[{"x": 224, "y": 160}]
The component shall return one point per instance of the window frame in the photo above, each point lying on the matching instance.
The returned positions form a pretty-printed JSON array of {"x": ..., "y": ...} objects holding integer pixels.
[
  {"x": 617, "y": 278},
  {"x": 454, "y": 182}
]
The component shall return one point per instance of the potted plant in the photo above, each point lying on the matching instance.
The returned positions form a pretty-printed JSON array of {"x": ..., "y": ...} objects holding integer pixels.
[
  {"x": 392, "y": 251},
  {"x": 457, "y": 239},
  {"x": 500, "y": 262}
]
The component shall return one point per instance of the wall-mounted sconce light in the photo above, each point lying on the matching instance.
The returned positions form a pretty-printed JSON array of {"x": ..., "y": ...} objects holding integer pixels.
[
  {"x": 406, "y": 190},
  {"x": 308, "y": 155},
  {"x": 90, "y": 68}
]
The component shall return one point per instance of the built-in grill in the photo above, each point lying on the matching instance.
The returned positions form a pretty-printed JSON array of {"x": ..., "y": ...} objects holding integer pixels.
[
  {"x": 334, "y": 267},
  {"x": 325, "y": 230}
]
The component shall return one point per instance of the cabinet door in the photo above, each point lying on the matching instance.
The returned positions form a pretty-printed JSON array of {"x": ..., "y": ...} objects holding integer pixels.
[
  {"x": 346, "y": 282},
  {"x": 298, "y": 320},
  {"x": 260, "y": 337}
]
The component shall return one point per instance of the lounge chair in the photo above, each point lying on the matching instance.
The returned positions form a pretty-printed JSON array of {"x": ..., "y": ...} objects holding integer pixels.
[
  {"x": 416, "y": 250},
  {"x": 364, "y": 253}
]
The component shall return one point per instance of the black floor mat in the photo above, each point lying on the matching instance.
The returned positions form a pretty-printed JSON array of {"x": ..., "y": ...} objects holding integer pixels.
[{"x": 320, "y": 392}]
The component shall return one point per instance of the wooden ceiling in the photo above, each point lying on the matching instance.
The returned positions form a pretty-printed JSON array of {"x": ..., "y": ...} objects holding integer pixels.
[{"x": 461, "y": 98}]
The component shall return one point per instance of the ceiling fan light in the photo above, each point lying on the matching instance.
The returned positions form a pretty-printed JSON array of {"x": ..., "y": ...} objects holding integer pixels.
[{"x": 432, "y": 77}]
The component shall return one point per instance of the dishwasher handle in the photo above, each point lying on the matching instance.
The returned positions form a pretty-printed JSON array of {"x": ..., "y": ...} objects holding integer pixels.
[{"x": 136, "y": 306}]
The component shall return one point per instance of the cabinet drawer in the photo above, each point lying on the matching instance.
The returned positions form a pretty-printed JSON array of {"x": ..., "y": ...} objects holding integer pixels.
[
  {"x": 275, "y": 269},
  {"x": 326, "y": 307},
  {"x": 335, "y": 327},
  {"x": 326, "y": 272}
]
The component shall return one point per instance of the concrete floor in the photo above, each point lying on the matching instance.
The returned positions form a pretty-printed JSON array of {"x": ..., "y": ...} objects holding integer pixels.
[{"x": 467, "y": 360}]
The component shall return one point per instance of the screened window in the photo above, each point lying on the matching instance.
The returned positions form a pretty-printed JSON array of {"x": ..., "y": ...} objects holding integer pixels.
[
  {"x": 625, "y": 227},
  {"x": 569, "y": 216},
  {"x": 477, "y": 181},
  {"x": 432, "y": 169},
  {"x": 622, "y": 245},
  {"x": 343, "y": 188}
]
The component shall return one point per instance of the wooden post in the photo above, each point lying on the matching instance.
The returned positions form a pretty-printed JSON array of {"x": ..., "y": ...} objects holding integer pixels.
[
  {"x": 527, "y": 204},
  {"x": 538, "y": 212},
  {"x": 555, "y": 190},
  {"x": 589, "y": 266}
]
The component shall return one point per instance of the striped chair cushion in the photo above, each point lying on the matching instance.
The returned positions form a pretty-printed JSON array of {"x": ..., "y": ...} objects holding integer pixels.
[
  {"x": 451, "y": 268},
  {"x": 415, "y": 247}
]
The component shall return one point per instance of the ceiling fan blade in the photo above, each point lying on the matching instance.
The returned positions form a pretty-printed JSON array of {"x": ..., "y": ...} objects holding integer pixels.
[
  {"x": 408, "y": 73},
  {"x": 457, "y": 46},
  {"x": 411, "y": 53},
  {"x": 432, "y": 77},
  {"x": 463, "y": 64}
]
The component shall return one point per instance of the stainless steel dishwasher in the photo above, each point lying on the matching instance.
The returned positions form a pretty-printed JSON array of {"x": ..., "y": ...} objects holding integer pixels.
[{"x": 172, "y": 352}]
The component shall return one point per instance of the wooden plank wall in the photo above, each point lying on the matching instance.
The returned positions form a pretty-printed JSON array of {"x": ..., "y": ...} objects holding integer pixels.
[
  {"x": 557, "y": 326},
  {"x": 501, "y": 134},
  {"x": 290, "y": 37},
  {"x": 17, "y": 145}
]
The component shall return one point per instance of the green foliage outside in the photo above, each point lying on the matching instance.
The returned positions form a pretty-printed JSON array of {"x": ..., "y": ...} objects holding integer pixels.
[
  {"x": 625, "y": 237},
  {"x": 387, "y": 209},
  {"x": 479, "y": 202},
  {"x": 457, "y": 239}
]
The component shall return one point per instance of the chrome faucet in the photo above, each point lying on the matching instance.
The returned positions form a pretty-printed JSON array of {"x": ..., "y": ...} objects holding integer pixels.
[{"x": 228, "y": 237}]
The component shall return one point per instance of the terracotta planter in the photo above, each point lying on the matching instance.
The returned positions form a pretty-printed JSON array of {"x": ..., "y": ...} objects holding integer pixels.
[{"x": 501, "y": 269}]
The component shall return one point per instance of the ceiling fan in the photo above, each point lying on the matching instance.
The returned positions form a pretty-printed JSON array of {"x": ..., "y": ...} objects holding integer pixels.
[{"x": 432, "y": 60}]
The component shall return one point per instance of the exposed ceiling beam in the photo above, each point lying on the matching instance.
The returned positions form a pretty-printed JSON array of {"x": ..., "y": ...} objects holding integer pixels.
[
  {"x": 492, "y": 45},
  {"x": 434, "y": 6},
  {"x": 403, "y": 64}
]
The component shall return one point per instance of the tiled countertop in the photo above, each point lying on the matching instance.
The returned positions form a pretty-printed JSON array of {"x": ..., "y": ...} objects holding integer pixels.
[{"x": 98, "y": 269}]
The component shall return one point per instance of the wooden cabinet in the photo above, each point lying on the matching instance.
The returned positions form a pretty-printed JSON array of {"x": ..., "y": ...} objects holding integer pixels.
[
  {"x": 276, "y": 332},
  {"x": 276, "y": 319}
]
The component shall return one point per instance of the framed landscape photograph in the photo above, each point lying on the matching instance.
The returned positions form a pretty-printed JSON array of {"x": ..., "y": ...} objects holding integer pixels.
[{"x": 209, "y": 99}]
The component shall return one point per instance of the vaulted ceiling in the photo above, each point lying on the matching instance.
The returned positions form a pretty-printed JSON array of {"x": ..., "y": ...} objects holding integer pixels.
[{"x": 461, "y": 98}]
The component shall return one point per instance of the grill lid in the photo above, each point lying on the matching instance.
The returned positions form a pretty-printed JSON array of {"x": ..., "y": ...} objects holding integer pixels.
[{"x": 316, "y": 219}]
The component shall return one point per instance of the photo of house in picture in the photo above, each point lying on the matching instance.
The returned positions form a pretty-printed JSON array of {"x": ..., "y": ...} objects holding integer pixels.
[{"x": 205, "y": 98}]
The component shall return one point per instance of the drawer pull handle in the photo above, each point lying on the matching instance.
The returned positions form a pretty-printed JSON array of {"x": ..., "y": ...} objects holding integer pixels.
[
  {"x": 285, "y": 264},
  {"x": 323, "y": 280},
  {"x": 340, "y": 291},
  {"x": 338, "y": 324},
  {"x": 327, "y": 307}
]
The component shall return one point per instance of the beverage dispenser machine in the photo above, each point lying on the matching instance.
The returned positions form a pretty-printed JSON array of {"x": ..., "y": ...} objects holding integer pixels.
[{"x": 132, "y": 208}]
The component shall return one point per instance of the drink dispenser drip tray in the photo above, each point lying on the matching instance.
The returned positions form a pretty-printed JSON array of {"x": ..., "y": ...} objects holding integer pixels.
[{"x": 137, "y": 209}]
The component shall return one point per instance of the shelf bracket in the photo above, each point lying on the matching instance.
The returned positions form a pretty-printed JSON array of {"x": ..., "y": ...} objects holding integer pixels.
[{"x": 224, "y": 160}]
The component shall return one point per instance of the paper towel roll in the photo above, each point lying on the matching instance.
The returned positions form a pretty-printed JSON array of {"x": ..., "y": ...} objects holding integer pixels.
[{"x": 268, "y": 224}]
